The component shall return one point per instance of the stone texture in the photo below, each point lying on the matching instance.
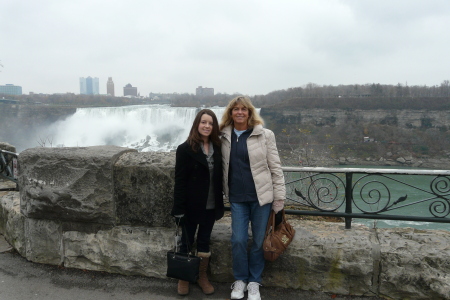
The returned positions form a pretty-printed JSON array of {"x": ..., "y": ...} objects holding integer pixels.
[
  {"x": 221, "y": 259},
  {"x": 7, "y": 147},
  {"x": 339, "y": 117},
  {"x": 72, "y": 184},
  {"x": 325, "y": 257},
  {"x": 415, "y": 263},
  {"x": 43, "y": 241},
  {"x": 12, "y": 222},
  {"x": 397, "y": 263},
  {"x": 143, "y": 188},
  {"x": 401, "y": 160},
  {"x": 122, "y": 249}
]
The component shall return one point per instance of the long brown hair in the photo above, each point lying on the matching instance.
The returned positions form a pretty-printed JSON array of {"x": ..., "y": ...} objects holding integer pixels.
[
  {"x": 195, "y": 139},
  {"x": 253, "y": 117}
]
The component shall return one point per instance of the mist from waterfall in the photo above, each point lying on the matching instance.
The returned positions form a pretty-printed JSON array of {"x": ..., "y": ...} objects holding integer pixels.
[{"x": 142, "y": 127}]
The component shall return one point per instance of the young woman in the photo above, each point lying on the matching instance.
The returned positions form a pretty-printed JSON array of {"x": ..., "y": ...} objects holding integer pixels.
[
  {"x": 198, "y": 197},
  {"x": 254, "y": 184}
]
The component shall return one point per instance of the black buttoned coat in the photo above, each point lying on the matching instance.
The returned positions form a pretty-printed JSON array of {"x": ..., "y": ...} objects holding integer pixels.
[{"x": 192, "y": 183}]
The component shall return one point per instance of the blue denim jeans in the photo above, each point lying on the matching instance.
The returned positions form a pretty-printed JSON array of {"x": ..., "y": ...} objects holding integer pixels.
[{"x": 248, "y": 265}]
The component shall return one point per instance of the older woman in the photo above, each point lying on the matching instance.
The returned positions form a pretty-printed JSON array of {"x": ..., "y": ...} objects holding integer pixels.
[{"x": 253, "y": 182}]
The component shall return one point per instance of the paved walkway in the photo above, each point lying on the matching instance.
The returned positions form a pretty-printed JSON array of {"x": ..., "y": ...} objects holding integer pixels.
[{"x": 24, "y": 280}]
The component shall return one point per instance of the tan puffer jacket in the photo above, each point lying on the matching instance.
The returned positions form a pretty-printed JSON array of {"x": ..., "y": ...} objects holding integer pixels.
[{"x": 264, "y": 163}]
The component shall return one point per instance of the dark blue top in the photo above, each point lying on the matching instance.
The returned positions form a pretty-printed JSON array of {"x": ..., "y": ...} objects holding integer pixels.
[{"x": 240, "y": 179}]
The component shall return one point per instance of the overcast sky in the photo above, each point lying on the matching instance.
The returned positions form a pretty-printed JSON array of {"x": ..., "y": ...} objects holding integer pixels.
[{"x": 251, "y": 47}]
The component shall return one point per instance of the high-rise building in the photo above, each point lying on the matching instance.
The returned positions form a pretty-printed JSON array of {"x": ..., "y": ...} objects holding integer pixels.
[
  {"x": 89, "y": 86},
  {"x": 10, "y": 89},
  {"x": 82, "y": 86},
  {"x": 204, "y": 91},
  {"x": 129, "y": 90},
  {"x": 110, "y": 87}
]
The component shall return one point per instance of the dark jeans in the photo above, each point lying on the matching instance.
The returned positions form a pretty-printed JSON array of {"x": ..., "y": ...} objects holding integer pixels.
[{"x": 203, "y": 234}]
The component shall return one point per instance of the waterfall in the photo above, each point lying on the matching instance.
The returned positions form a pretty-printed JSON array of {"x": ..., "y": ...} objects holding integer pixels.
[{"x": 142, "y": 127}]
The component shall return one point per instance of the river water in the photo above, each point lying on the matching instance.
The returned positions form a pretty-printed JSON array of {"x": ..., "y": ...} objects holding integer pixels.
[
  {"x": 417, "y": 195},
  {"x": 389, "y": 194}
]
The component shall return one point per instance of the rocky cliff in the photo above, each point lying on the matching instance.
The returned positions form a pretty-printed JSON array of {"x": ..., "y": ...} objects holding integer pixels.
[
  {"x": 339, "y": 117},
  {"x": 418, "y": 138},
  {"x": 21, "y": 124}
]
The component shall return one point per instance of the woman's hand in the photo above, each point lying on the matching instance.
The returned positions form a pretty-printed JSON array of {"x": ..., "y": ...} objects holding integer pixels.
[{"x": 277, "y": 205}]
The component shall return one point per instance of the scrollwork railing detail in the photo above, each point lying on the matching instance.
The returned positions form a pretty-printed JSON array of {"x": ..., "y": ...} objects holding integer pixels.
[{"x": 372, "y": 193}]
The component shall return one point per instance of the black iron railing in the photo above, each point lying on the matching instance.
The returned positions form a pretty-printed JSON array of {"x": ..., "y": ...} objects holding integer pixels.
[
  {"x": 389, "y": 194},
  {"x": 8, "y": 167}
]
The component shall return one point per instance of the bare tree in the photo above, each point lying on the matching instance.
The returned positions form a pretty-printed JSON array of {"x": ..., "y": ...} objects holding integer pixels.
[{"x": 43, "y": 141}]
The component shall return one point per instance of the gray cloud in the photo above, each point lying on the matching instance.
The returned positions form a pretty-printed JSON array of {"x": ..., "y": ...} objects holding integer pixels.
[{"x": 252, "y": 47}]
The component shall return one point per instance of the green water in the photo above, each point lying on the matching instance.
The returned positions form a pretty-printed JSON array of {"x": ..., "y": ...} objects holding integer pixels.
[{"x": 416, "y": 195}]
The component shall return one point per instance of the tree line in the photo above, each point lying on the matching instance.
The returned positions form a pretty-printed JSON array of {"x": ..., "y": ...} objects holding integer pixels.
[
  {"x": 356, "y": 96},
  {"x": 311, "y": 95}
]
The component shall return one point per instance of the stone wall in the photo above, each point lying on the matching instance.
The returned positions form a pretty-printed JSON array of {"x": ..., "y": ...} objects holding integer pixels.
[{"x": 107, "y": 208}]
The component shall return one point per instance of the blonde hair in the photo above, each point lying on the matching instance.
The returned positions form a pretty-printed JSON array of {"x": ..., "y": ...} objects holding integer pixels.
[{"x": 253, "y": 117}]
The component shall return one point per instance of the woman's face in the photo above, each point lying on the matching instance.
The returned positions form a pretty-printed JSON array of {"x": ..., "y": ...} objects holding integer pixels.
[
  {"x": 239, "y": 114},
  {"x": 206, "y": 125}
]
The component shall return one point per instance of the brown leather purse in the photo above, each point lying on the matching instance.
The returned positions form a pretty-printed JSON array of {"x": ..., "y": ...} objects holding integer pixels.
[{"x": 278, "y": 237}]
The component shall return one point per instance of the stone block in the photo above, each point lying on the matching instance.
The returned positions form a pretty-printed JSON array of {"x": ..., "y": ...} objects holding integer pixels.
[
  {"x": 69, "y": 184},
  {"x": 123, "y": 249},
  {"x": 43, "y": 241},
  {"x": 415, "y": 263},
  {"x": 12, "y": 221},
  {"x": 323, "y": 256},
  {"x": 143, "y": 188},
  {"x": 221, "y": 256}
]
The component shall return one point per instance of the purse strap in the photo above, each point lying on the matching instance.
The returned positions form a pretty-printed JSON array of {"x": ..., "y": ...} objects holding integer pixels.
[
  {"x": 271, "y": 221},
  {"x": 187, "y": 240}
]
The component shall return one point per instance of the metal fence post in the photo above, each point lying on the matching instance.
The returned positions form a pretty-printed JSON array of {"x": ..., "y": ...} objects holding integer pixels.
[{"x": 348, "y": 199}]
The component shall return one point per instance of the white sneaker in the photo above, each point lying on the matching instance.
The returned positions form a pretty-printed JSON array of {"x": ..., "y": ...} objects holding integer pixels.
[
  {"x": 253, "y": 291},
  {"x": 239, "y": 287}
]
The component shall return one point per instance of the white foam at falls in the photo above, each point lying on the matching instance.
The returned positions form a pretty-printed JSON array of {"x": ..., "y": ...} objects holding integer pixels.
[{"x": 142, "y": 127}]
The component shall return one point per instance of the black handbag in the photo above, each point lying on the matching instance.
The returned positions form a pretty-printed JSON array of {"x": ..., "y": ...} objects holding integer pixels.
[{"x": 182, "y": 266}]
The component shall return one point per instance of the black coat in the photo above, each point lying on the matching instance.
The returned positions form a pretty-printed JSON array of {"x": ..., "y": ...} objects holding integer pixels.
[{"x": 192, "y": 183}]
